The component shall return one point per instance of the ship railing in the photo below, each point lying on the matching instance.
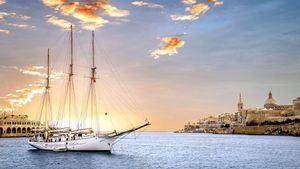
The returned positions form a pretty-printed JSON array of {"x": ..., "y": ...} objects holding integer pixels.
[
  {"x": 82, "y": 131},
  {"x": 60, "y": 130}
]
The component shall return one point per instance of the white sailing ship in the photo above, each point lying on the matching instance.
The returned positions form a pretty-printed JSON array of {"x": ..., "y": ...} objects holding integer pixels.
[{"x": 56, "y": 138}]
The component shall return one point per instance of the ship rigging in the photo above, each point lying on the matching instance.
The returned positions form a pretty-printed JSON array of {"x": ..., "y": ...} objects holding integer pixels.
[{"x": 86, "y": 136}]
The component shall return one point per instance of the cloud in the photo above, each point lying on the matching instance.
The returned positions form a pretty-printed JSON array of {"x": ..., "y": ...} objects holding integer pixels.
[
  {"x": 184, "y": 17},
  {"x": 36, "y": 71},
  {"x": 198, "y": 9},
  {"x": 5, "y": 14},
  {"x": 195, "y": 10},
  {"x": 13, "y": 15},
  {"x": 215, "y": 2},
  {"x": 86, "y": 11},
  {"x": 53, "y": 3},
  {"x": 113, "y": 11},
  {"x": 218, "y": 3},
  {"x": 188, "y": 2},
  {"x": 58, "y": 22},
  {"x": 146, "y": 4},
  {"x": 91, "y": 26},
  {"x": 24, "y": 17},
  {"x": 4, "y": 31},
  {"x": 25, "y": 95},
  {"x": 69, "y": 8},
  {"x": 86, "y": 15},
  {"x": 2, "y": 2},
  {"x": 169, "y": 46},
  {"x": 22, "y": 26}
]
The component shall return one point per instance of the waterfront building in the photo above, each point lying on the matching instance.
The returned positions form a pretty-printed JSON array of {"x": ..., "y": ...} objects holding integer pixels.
[
  {"x": 271, "y": 113},
  {"x": 241, "y": 114},
  {"x": 296, "y": 106},
  {"x": 271, "y": 103},
  {"x": 13, "y": 125}
]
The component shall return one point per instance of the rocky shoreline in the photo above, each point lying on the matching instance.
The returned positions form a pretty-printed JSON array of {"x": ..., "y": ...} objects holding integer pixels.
[
  {"x": 283, "y": 130},
  {"x": 286, "y": 129}
]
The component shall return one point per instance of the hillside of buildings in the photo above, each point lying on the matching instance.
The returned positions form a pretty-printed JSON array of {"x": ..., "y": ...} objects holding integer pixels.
[{"x": 272, "y": 119}]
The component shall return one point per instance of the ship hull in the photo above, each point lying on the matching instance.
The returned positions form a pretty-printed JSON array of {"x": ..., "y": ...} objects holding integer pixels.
[
  {"x": 86, "y": 144},
  {"x": 49, "y": 146}
]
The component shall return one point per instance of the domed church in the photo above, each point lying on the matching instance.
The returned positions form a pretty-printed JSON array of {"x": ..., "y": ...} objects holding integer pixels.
[{"x": 270, "y": 103}]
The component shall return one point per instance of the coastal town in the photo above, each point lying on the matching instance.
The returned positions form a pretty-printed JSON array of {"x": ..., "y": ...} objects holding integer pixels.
[
  {"x": 272, "y": 119},
  {"x": 17, "y": 125}
]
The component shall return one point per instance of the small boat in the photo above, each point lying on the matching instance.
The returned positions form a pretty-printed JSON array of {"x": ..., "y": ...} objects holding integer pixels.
[{"x": 54, "y": 138}]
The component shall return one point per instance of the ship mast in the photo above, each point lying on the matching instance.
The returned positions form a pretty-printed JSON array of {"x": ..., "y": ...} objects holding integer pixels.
[
  {"x": 47, "y": 89},
  {"x": 70, "y": 86},
  {"x": 92, "y": 84},
  {"x": 46, "y": 105}
]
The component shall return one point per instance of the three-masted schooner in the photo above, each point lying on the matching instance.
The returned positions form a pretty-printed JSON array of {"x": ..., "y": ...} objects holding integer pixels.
[{"x": 55, "y": 138}]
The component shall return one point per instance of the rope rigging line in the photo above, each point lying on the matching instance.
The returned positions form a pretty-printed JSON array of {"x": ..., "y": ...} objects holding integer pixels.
[
  {"x": 115, "y": 101},
  {"x": 121, "y": 84}
]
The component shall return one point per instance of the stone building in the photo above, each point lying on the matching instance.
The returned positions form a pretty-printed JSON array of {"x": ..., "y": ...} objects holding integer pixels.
[
  {"x": 271, "y": 112},
  {"x": 271, "y": 103},
  {"x": 296, "y": 106},
  {"x": 12, "y": 125}
]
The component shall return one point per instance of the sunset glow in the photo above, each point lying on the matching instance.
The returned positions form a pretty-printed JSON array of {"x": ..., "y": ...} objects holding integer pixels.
[{"x": 168, "y": 62}]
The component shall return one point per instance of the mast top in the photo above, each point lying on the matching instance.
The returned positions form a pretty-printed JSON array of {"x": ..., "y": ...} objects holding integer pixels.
[
  {"x": 48, "y": 70},
  {"x": 93, "y": 43},
  {"x": 71, "y": 64},
  {"x": 93, "y": 78}
]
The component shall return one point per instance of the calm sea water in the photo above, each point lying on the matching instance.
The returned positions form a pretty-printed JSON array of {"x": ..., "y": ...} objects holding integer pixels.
[{"x": 164, "y": 150}]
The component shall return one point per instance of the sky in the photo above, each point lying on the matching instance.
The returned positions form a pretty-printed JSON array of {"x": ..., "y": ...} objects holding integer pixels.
[{"x": 169, "y": 61}]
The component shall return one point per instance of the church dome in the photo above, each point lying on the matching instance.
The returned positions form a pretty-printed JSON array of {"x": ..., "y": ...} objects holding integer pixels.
[{"x": 270, "y": 102}]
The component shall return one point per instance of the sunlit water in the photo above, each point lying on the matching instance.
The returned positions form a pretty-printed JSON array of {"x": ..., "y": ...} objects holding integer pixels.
[{"x": 164, "y": 150}]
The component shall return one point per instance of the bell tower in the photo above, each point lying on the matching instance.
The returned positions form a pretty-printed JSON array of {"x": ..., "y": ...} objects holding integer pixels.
[{"x": 240, "y": 104}]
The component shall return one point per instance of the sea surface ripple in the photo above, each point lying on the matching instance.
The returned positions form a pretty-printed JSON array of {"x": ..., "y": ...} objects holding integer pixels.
[{"x": 153, "y": 150}]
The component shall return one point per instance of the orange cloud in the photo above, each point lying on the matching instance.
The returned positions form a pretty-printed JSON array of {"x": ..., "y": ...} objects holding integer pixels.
[
  {"x": 69, "y": 8},
  {"x": 198, "y": 9},
  {"x": 86, "y": 11},
  {"x": 195, "y": 11},
  {"x": 146, "y": 4},
  {"x": 169, "y": 47},
  {"x": 86, "y": 14},
  {"x": 58, "y": 22}
]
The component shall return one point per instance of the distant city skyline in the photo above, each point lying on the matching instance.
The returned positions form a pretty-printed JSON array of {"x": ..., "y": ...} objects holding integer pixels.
[{"x": 178, "y": 60}]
